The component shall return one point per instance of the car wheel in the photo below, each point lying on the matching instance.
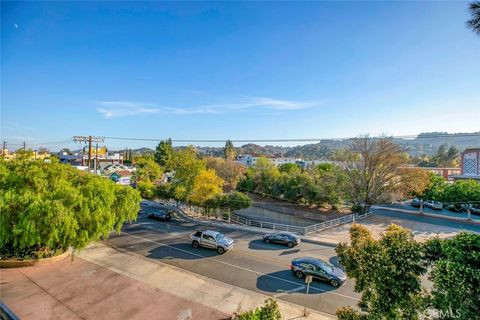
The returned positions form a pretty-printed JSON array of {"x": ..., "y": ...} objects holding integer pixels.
[
  {"x": 335, "y": 283},
  {"x": 290, "y": 244},
  {"x": 220, "y": 250},
  {"x": 195, "y": 244},
  {"x": 299, "y": 274},
  {"x": 267, "y": 240}
]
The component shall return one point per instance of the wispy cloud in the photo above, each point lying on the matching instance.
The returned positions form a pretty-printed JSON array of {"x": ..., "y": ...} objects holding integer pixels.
[{"x": 111, "y": 109}]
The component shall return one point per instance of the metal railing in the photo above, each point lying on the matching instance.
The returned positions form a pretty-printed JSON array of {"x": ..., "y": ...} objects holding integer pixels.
[
  {"x": 296, "y": 229},
  {"x": 193, "y": 211}
]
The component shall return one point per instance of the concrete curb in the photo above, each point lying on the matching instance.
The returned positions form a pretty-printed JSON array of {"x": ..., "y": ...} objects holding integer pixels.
[
  {"x": 426, "y": 214},
  {"x": 283, "y": 304},
  {"x": 33, "y": 262}
]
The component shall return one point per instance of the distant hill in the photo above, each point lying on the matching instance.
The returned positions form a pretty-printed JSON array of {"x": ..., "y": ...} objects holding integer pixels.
[{"x": 424, "y": 144}]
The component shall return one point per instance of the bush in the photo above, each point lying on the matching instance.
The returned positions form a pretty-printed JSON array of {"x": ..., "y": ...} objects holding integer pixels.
[
  {"x": 269, "y": 311},
  {"x": 49, "y": 207}
]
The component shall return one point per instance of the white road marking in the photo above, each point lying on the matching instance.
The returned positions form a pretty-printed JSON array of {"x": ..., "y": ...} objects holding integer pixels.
[{"x": 242, "y": 268}]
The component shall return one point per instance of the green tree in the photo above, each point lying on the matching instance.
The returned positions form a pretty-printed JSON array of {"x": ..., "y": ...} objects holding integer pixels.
[
  {"x": 474, "y": 22},
  {"x": 446, "y": 157},
  {"x": 163, "y": 153},
  {"x": 290, "y": 168},
  {"x": 386, "y": 271},
  {"x": 147, "y": 175},
  {"x": 49, "y": 206},
  {"x": 229, "y": 151},
  {"x": 436, "y": 188},
  {"x": 146, "y": 169},
  {"x": 455, "y": 275},
  {"x": 265, "y": 175},
  {"x": 185, "y": 167},
  {"x": 462, "y": 191}
]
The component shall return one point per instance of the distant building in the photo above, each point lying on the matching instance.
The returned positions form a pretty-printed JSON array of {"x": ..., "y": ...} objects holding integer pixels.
[
  {"x": 470, "y": 165},
  {"x": 33, "y": 154},
  {"x": 81, "y": 158},
  {"x": 250, "y": 160},
  {"x": 123, "y": 177},
  {"x": 447, "y": 173}
]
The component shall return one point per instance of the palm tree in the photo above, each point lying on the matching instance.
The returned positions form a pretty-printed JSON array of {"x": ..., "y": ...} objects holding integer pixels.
[{"x": 474, "y": 23}]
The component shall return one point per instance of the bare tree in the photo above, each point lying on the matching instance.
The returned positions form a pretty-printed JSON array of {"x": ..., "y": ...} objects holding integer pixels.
[
  {"x": 474, "y": 23},
  {"x": 372, "y": 167}
]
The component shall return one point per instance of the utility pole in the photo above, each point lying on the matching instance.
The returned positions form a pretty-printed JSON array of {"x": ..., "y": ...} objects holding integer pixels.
[
  {"x": 96, "y": 158},
  {"x": 24, "y": 146},
  {"x": 89, "y": 140},
  {"x": 4, "y": 148}
]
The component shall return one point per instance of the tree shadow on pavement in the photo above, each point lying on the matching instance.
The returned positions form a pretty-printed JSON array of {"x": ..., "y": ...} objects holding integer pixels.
[
  {"x": 180, "y": 251},
  {"x": 284, "y": 282},
  {"x": 287, "y": 252},
  {"x": 258, "y": 244}
]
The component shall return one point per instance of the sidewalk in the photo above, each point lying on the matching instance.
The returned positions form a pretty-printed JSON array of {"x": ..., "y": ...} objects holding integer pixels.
[
  {"x": 443, "y": 214},
  {"x": 104, "y": 283}
]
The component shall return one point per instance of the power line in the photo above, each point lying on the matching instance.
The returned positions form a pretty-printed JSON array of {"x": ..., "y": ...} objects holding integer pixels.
[{"x": 422, "y": 136}]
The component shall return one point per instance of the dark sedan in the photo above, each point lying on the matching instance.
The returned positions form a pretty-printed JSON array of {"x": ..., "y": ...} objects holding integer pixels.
[
  {"x": 160, "y": 215},
  {"x": 286, "y": 238},
  {"x": 318, "y": 269}
]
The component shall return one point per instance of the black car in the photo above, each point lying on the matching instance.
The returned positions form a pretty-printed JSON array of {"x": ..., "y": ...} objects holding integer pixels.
[
  {"x": 282, "y": 237},
  {"x": 160, "y": 215},
  {"x": 318, "y": 269},
  {"x": 415, "y": 203}
]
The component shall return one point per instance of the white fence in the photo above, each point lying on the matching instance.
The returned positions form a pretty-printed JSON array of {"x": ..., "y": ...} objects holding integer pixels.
[
  {"x": 237, "y": 219},
  {"x": 296, "y": 229}
]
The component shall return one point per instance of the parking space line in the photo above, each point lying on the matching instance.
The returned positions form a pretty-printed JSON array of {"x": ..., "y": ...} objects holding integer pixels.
[{"x": 241, "y": 268}]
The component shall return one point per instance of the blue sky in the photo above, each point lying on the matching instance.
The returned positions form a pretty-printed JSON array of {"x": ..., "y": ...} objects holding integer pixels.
[{"x": 236, "y": 70}]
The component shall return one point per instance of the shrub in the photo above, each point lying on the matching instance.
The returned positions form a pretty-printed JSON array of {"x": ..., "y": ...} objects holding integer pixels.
[
  {"x": 269, "y": 311},
  {"x": 48, "y": 207}
]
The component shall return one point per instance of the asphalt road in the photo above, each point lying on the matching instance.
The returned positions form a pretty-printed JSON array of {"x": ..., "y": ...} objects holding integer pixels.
[
  {"x": 251, "y": 264},
  {"x": 430, "y": 220}
]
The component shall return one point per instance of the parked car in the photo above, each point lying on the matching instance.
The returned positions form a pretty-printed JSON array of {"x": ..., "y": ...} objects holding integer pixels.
[
  {"x": 415, "y": 203},
  {"x": 160, "y": 215},
  {"x": 211, "y": 239},
  {"x": 319, "y": 269},
  {"x": 435, "y": 205},
  {"x": 282, "y": 237},
  {"x": 475, "y": 209}
]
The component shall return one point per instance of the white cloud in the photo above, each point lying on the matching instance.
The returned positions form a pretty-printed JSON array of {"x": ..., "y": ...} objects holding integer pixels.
[{"x": 111, "y": 109}]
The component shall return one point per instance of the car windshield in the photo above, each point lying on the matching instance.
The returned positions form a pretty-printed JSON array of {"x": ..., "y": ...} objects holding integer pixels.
[
  {"x": 219, "y": 237},
  {"x": 325, "y": 266}
]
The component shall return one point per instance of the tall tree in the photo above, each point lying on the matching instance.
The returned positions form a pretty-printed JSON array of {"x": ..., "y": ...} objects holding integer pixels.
[
  {"x": 185, "y": 167},
  {"x": 230, "y": 171},
  {"x": 229, "y": 151},
  {"x": 51, "y": 206},
  {"x": 206, "y": 186},
  {"x": 371, "y": 166},
  {"x": 456, "y": 276},
  {"x": 387, "y": 272},
  {"x": 474, "y": 22},
  {"x": 164, "y": 152}
]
